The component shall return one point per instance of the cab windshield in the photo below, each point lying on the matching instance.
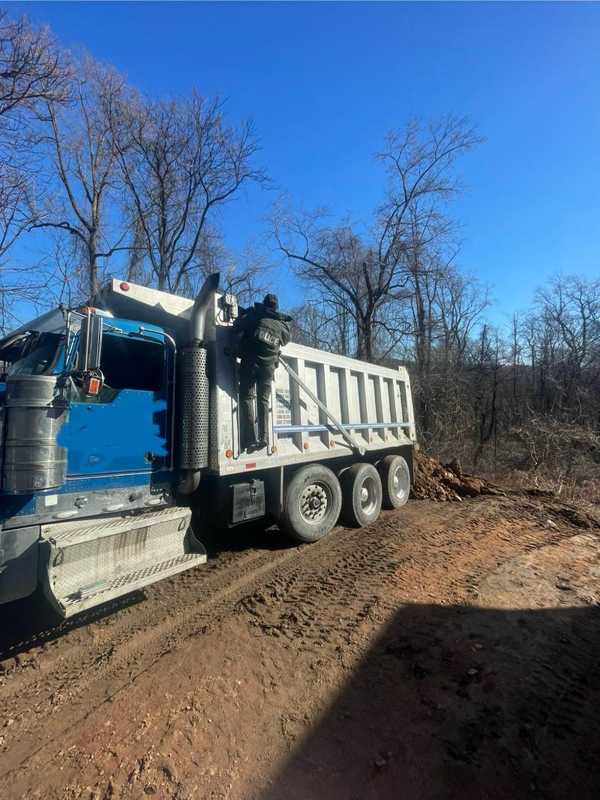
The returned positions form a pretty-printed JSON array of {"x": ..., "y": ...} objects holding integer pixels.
[{"x": 35, "y": 353}]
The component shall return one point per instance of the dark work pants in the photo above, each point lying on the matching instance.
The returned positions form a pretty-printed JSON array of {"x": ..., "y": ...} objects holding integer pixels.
[{"x": 255, "y": 384}]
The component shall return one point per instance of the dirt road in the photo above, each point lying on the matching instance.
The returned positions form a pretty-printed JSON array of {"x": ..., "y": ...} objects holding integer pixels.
[{"x": 452, "y": 650}]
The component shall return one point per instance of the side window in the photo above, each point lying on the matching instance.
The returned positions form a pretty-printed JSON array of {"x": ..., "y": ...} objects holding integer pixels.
[{"x": 129, "y": 363}]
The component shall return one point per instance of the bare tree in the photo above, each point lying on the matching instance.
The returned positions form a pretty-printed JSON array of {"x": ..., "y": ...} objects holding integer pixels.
[
  {"x": 136, "y": 257},
  {"x": 83, "y": 157},
  {"x": 244, "y": 274},
  {"x": 20, "y": 285},
  {"x": 441, "y": 310},
  {"x": 33, "y": 70},
  {"x": 566, "y": 346},
  {"x": 365, "y": 273},
  {"x": 32, "y": 67},
  {"x": 15, "y": 201},
  {"x": 462, "y": 302},
  {"x": 180, "y": 161},
  {"x": 320, "y": 323}
]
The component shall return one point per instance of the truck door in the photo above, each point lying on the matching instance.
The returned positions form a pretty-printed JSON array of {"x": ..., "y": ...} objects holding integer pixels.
[{"x": 125, "y": 431}]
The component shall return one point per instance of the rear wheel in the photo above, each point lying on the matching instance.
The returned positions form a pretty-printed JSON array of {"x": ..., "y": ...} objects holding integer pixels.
[
  {"x": 313, "y": 499},
  {"x": 395, "y": 479},
  {"x": 362, "y": 495}
]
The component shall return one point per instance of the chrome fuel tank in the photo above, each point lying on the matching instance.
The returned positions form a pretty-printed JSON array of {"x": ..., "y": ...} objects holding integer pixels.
[{"x": 34, "y": 413}]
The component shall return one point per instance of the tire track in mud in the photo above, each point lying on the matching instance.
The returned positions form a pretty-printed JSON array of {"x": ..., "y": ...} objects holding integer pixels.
[
  {"x": 112, "y": 615},
  {"x": 87, "y": 678},
  {"x": 98, "y": 637},
  {"x": 312, "y": 604},
  {"x": 324, "y": 602},
  {"x": 307, "y": 591},
  {"x": 64, "y": 697}
]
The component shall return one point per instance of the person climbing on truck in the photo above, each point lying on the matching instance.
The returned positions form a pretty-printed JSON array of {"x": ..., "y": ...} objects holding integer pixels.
[{"x": 262, "y": 331}]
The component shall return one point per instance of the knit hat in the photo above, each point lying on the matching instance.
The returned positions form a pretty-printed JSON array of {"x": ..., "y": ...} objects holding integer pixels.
[{"x": 270, "y": 301}]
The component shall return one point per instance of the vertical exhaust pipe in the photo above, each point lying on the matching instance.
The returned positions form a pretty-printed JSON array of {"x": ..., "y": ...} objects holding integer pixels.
[
  {"x": 194, "y": 392},
  {"x": 201, "y": 306}
]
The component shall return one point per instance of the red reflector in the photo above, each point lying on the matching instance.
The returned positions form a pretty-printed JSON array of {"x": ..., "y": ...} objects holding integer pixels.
[
  {"x": 251, "y": 465},
  {"x": 124, "y": 286}
]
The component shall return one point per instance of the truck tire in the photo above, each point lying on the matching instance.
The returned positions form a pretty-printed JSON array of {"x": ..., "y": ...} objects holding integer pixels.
[
  {"x": 361, "y": 495},
  {"x": 312, "y": 503},
  {"x": 395, "y": 479}
]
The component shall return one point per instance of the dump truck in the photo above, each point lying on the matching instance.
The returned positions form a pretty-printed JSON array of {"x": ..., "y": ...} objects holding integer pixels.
[{"x": 120, "y": 444}]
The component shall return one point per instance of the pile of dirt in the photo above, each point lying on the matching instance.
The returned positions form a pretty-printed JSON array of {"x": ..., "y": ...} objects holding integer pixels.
[{"x": 446, "y": 482}]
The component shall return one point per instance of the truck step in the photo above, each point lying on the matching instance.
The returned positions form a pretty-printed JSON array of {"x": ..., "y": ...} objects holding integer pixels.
[{"x": 93, "y": 561}]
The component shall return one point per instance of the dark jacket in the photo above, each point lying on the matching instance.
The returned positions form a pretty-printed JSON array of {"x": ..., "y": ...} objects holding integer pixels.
[{"x": 262, "y": 332}]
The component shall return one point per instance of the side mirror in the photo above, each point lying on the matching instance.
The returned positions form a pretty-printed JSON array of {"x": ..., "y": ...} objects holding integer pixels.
[{"x": 90, "y": 343}]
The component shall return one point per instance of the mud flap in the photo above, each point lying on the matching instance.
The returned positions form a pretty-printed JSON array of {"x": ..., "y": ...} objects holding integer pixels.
[{"x": 89, "y": 562}]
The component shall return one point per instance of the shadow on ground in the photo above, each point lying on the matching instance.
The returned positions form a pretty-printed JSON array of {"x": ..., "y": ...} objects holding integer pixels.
[
  {"x": 249, "y": 536},
  {"x": 32, "y": 622},
  {"x": 460, "y": 702}
]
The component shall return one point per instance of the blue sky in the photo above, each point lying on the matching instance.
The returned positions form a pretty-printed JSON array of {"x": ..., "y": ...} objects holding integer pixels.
[{"x": 325, "y": 81}]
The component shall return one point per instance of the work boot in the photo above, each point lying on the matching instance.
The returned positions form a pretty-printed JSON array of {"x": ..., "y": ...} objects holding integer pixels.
[{"x": 263, "y": 421}]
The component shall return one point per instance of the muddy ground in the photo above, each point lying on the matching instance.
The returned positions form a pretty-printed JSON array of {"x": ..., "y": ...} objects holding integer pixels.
[{"x": 451, "y": 650}]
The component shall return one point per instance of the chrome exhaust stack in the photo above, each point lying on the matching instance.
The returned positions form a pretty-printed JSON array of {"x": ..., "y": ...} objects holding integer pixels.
[
  {"x": 194, "y": 392},
  {"x": 201, "y": 306}
]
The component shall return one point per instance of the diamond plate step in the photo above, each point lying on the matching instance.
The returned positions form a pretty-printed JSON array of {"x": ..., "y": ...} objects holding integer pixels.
[{"x": 94, "y": 561}]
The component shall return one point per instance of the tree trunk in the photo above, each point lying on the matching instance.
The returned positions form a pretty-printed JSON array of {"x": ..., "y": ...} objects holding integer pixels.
[{"x": 92, "y": 265}]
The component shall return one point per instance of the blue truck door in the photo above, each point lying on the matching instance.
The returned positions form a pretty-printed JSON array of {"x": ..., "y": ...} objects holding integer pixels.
[{"x": 125, "y": 430}]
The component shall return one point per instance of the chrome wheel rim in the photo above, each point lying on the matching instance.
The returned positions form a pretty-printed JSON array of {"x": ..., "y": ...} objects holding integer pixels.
[
  {"x": 368, "y": 496},
  {"x": 315, "y": 501},
  {"x": 400, "y": 483}
]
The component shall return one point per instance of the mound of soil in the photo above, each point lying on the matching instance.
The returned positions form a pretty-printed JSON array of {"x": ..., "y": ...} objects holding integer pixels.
[{"x": 445, "y": 482}]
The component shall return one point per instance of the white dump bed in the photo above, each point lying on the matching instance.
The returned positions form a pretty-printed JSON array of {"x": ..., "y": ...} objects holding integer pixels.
[{"x": 372, "y": 403}]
